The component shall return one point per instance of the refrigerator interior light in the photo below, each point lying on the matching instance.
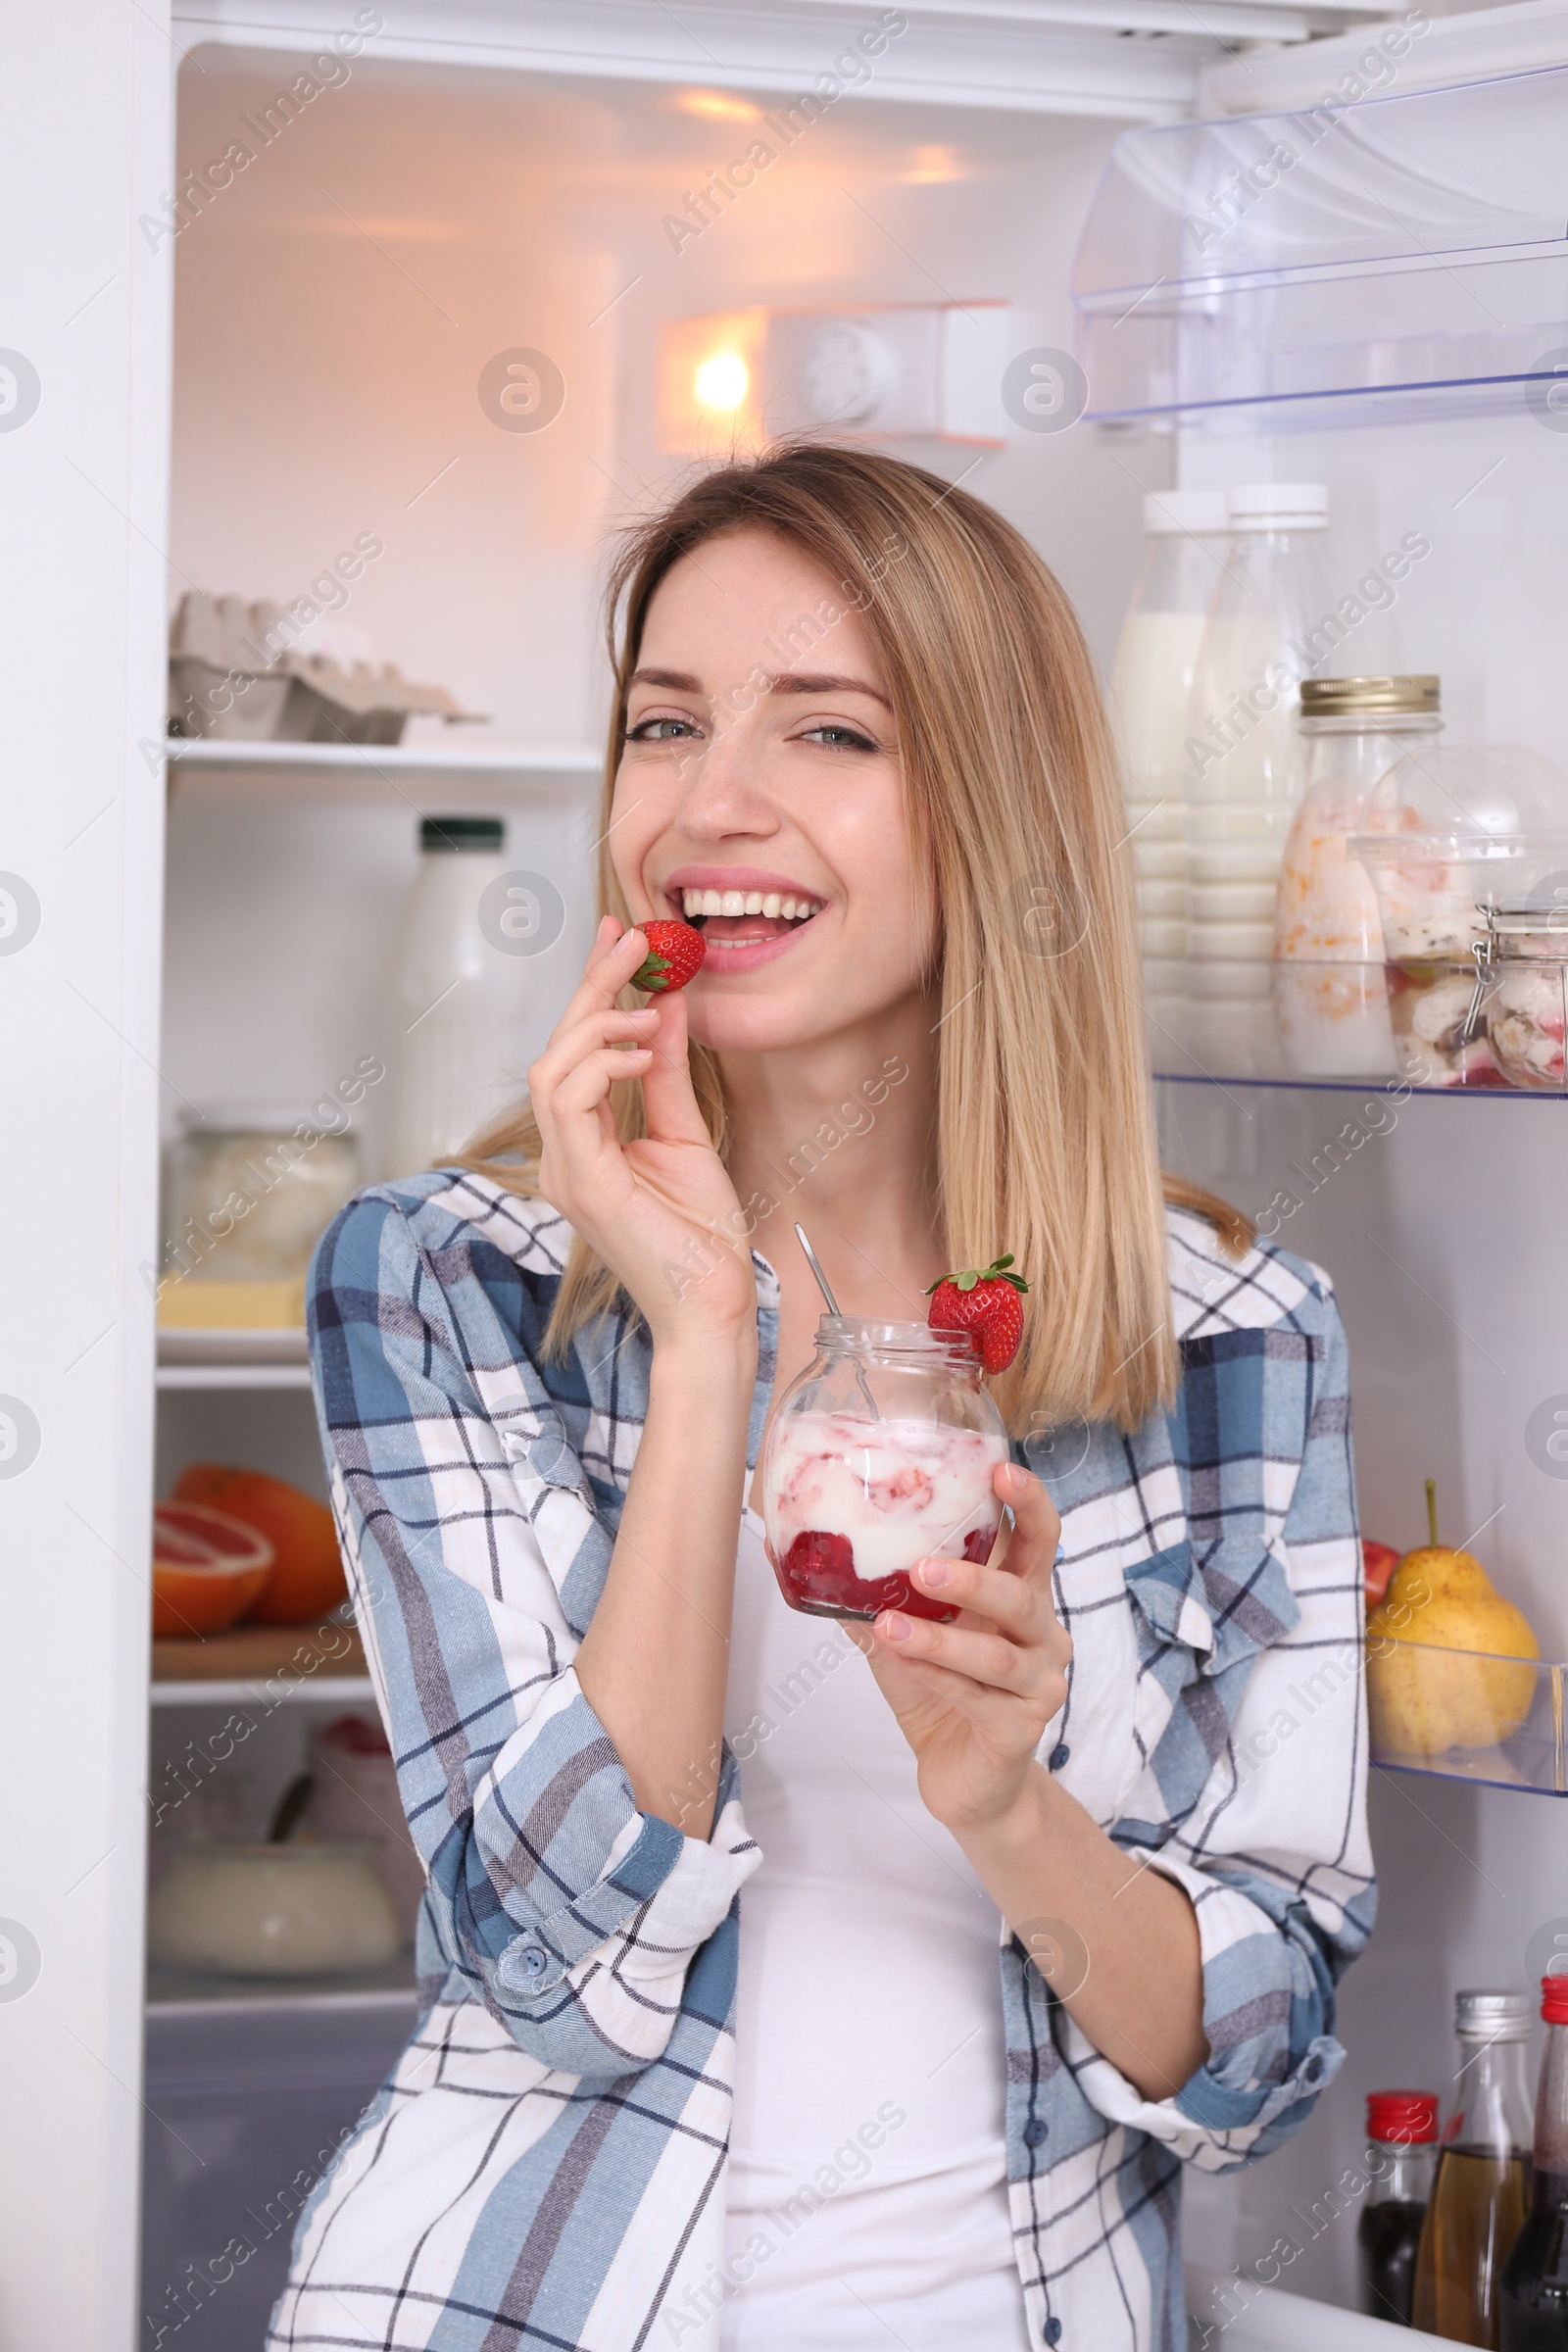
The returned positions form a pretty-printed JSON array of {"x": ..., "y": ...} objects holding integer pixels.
[
  {"x": 899, "y": 371},
  {"x": 708, "y": 382},
  {"x": 722, "y": 380}
]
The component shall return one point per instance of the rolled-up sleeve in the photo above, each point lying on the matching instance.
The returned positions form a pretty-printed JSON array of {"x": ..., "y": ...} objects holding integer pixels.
[
  {"x": 1274, "y": 1854},
  {"x": 472, "y": 1539}
]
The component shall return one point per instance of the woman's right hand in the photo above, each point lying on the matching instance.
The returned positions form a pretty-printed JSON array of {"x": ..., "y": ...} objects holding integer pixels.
[{"x": 659, "y": 1211}]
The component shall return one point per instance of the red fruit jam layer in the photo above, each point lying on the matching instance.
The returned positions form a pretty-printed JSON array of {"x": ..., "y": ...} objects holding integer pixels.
[{"x": 818, "y": 1575}]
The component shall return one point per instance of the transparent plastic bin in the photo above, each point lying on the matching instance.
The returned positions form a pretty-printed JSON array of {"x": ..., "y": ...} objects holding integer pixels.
[
  {"x": 1467, "y": 1715},
  {"x": 246, "y": 2103},
  {"x": 1285, "y": 263}
]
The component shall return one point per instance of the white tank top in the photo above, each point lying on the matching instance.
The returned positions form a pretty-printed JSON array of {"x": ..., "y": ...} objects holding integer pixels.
[{"x": 867, "y": 2184}]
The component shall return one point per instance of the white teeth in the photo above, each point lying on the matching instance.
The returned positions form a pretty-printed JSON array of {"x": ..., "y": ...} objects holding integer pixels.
[
  {"x": 733, "y": 902},
  {"x": 770, "y": 904},
  {"x": 691, "y": 901},
  {"x": 787, "y": 911},
  {"x": 753, "y": 903},
  {"x": 712, "y": 904}
]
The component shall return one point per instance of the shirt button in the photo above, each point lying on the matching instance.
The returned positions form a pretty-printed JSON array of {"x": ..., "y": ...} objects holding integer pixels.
[
  {"x": 534, "y": 1961},
  {"x": 1312, "y": 2068},
  {"x": 1053, "y": 2332},
  {"x": 1058, "y": 1757},
  {"x": 1034, "y": 2132}
]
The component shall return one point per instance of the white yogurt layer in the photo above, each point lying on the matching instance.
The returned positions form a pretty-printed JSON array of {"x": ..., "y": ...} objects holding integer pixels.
[{"x": 897, "y": 1490}]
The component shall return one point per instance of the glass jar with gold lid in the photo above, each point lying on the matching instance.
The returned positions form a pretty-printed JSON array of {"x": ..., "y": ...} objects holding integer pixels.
[{"x": 1328, "y": 936}]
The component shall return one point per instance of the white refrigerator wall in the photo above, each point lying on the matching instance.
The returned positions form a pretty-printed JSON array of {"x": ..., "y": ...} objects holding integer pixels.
[{"x": 336, "y": 306}]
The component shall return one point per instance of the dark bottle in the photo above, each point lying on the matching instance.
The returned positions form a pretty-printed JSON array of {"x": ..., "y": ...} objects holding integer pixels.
[
  {"x": 1482, "y": 2190},
  {"x": 1402, "y": 2129},
  {"x": 1532, "y": 2301}
]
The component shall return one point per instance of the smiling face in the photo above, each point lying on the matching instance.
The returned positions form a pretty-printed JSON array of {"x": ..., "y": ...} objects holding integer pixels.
[{"x": 760, "y": 797}]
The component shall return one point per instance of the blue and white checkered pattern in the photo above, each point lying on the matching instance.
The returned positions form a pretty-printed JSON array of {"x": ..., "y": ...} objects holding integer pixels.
[{"x": 545, "y": 2165}]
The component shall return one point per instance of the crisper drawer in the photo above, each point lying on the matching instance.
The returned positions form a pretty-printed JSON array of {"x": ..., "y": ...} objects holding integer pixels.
[
  {"x": 246, "y": 2102},
  {"x": 1242, "y": 2317}
]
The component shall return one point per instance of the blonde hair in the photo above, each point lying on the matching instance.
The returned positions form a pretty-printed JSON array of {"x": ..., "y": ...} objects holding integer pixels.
[{"x": 1045, "y": 1138}]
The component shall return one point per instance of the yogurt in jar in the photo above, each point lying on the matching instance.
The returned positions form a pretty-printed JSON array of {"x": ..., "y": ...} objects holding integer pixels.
[{"x": 852, "y": 1503}]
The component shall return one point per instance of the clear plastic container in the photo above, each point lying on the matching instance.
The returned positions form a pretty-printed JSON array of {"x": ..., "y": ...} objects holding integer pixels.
[
  {"x": 253, "y": 1189},
  {"x": 1468, "y": 1714},
  {"x": 1245, "y": 756},
  {"x": 1151, "y": 688},
  {"x": 273, "y": 1910},
  {"x": 883, "y": 1453}
]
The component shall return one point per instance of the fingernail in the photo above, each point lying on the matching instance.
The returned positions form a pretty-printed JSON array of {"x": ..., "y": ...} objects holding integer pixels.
[
  {"x": 894, "y": 1628},
  {"x": 934, "y": 1572},
  {"x": 1018, "y": 1479}
]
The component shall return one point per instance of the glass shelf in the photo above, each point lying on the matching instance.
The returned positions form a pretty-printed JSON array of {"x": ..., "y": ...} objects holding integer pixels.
[
  {"x": 1346, "y": 1028},
  {"x": 1467, "y": 1715},
  {"x": 183, "y": 1991},
  {"x": 1344, "y": 263}
]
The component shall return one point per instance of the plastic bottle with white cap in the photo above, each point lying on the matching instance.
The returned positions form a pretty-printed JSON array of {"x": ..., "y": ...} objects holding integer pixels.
[
  {"x": 1243, "y": 766},
  {"x": 1151, "y": 688}
]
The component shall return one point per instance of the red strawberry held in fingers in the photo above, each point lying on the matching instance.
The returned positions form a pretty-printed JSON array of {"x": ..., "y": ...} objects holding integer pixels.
[
  {"x": 986, "y": 1301},
  {"x": 675, "y": 953}
]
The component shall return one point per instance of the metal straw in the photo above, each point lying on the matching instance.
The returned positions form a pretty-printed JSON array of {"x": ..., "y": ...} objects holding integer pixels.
[
  {"x": 821, "y": 1278},
  {"x": 833, "y": 1307}
]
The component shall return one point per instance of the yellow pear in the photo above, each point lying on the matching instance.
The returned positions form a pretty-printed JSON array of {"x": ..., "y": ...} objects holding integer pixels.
[{"x": 1422, "y": 1701}]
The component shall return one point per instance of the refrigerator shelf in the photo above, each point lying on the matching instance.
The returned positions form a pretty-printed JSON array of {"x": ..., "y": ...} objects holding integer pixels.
[
  {"x": 1503, "y": 1717},
  {"x": 210, "y": 770},
  {"x": 321, "y": 1690},
  {"x": 1362, "y": 1027},
  {"x": 175, "y": 1992},
  {"x": 189, "y": 1357},
  {"x": 1349, "y": 262},
  {"x": 269, "y": 1664},
  {"x": 1394, "y": 1088}
]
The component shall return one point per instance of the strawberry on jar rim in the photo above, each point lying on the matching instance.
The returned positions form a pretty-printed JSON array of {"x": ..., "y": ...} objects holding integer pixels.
[
  {"x": 675, "y": 953},
  {"x": 986, "y": 1301}
]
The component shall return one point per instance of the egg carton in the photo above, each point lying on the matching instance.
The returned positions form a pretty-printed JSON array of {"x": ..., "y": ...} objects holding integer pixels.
[{"x": 237, "y": 675}]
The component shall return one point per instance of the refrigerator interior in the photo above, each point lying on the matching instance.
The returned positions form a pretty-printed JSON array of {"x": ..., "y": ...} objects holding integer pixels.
[{"x": 337, "y": 308}]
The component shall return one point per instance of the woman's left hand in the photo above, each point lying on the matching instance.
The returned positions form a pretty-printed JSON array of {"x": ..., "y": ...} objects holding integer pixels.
[{"x": 973, "y": 1697}]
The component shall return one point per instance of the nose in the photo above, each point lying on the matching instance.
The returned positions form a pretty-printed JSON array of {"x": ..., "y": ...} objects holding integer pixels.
[{"x": 725, "y": 793}]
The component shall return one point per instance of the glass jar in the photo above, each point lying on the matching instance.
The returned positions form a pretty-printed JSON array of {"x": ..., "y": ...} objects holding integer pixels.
[
  {"x": 1329, "y": 990},
  {"x": 1524, "y": 987},
  {"x": 253, "y": 1191},
  {"x": 883, "y": 1453}
]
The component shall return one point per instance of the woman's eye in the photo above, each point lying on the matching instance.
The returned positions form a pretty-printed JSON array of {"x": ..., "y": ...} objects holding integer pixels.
[
  {"x": 838, "y": 738},
  {"x": 661, "y": 730}
]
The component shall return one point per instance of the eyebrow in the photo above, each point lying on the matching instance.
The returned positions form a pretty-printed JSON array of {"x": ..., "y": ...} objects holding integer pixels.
[{"x": 783, "y": 682}]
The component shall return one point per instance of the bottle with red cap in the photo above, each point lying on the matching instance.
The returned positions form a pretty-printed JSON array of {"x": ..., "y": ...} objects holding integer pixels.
[
  {"x": 1533, "y": 2302},
  {"x": 1402, "y": 2129}
]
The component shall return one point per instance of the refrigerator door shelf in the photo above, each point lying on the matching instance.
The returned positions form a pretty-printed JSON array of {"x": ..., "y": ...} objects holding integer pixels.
[{"x": 1351, "y": 263}]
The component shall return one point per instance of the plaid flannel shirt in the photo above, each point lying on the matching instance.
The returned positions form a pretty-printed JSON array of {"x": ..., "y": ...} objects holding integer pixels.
[{"x": 544, "y": 2165}]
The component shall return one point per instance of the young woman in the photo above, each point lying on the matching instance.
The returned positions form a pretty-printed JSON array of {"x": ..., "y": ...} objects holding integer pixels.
[{"x": 781, "y": 1989}]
